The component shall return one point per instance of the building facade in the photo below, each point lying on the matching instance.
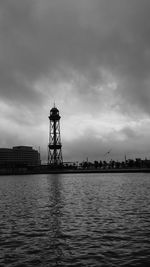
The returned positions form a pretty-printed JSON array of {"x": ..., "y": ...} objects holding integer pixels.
[{"x": 19, "y": 156}]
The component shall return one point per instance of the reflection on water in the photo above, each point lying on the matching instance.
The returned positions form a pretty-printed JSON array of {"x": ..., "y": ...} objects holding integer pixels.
[
  {"x": 75, "y": 220},
  {"x": 55, "y": 205},
  {"x": 57, "y": 240}
]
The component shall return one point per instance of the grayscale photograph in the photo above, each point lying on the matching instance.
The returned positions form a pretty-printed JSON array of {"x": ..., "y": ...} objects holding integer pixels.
[{"x": 74, "y": 133}]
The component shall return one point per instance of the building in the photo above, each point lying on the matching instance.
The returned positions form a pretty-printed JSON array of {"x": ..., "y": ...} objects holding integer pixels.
[{"x": 19, "y": 156}]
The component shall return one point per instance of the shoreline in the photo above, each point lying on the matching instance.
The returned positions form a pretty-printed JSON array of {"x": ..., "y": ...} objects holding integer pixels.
[{"x": 67, "y": 171}]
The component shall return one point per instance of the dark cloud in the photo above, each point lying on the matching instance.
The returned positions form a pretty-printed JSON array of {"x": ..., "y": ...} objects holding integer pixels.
[
  {"x": 90, "y": 56},
  {"x": 40, "y": 38}
]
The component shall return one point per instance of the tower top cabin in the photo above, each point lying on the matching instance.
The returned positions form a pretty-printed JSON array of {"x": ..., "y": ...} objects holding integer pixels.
[{"x": 54, "y": 114}]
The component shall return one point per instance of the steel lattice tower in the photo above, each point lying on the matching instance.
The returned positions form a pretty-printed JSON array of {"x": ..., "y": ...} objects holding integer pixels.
[{"x": 54, "y": 146}]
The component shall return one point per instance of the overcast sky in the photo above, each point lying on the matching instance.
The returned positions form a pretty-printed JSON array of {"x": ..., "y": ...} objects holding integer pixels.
[{"x": 92, "y": 57}]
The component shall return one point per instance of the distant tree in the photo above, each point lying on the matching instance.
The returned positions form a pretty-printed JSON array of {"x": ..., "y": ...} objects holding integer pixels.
[
  {"x": 104, "y": 164},
  {"x": 100, "y": 164},
  {"x": 96, "y": 164},
  {"x": 117, "y": 164},
  {"x": 130, "y": 163}
]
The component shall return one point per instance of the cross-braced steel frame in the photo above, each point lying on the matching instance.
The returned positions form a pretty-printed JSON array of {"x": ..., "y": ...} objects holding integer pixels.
[{"x": 54, "y": 147}]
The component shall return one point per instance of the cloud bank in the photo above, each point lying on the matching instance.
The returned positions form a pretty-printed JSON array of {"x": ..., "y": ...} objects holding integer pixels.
[{"x": 92, "y": 58}]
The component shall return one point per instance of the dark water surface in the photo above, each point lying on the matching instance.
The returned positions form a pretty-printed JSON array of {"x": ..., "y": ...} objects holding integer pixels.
[{"x": 75, "y": 220}]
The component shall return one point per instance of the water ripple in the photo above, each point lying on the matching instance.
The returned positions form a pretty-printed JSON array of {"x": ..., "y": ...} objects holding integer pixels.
[{"x": 75, "y": 220}]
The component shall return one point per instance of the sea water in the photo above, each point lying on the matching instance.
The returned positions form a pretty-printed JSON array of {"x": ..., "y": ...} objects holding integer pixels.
[{"x": 75, "y": 220}]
